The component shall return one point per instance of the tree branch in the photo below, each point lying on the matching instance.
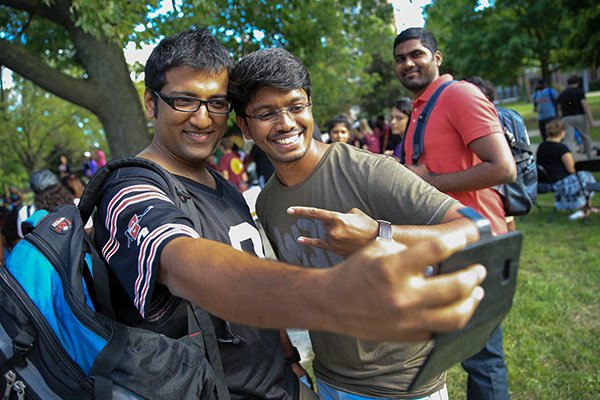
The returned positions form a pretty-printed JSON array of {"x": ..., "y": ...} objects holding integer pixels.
[
  {"x": 77, "y": 91},
  {"x": 38, "y": 8}
]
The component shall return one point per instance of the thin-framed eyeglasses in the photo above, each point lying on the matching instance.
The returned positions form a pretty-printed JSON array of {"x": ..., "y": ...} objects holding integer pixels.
[
  {"x": 193, "y": 104},
  {"x": 273, "y": 116}
]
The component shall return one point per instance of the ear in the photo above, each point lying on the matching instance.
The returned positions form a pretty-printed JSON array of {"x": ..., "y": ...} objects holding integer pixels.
[
  {"x": 241, "y": 122},
  {"x": 149, "y": 104},
  {"x": 437, "y": 56}
]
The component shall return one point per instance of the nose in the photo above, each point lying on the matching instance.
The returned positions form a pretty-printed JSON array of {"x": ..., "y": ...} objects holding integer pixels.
[
  {"x": 285, "y": 121},
  {"x": 201, "y": 118}
]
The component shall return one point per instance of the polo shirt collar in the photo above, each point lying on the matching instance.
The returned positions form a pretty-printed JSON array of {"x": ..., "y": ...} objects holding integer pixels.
[{"x": 424, "y": 97}]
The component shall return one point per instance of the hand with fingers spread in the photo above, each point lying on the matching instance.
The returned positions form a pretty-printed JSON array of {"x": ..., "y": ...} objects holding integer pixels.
[
  {"x": 345, "y": 232},
  {"x": 402, "y": 303}
]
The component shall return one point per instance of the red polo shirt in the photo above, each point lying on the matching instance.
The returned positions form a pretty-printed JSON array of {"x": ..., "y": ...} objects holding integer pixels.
[{"x": 461, "y": 115}]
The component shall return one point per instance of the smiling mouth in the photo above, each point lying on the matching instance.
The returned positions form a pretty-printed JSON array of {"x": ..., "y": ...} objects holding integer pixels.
[
  {"x": 287, "y": 139},
  {"x": 196, "y": 134}
]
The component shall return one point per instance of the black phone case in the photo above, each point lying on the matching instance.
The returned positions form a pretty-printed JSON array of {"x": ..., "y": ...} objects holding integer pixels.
[{"x": 500, "y": 256}]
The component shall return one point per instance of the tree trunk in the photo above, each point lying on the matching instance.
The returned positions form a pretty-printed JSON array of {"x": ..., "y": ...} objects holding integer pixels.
[{"x": 107, "y": 90}]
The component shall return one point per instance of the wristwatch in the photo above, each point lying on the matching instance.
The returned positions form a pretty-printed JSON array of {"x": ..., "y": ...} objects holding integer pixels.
[{"x": 385, "y": 230}]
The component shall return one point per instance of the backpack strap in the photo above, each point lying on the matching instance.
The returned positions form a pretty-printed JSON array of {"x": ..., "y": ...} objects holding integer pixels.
[{"x": 420, "y": 128}]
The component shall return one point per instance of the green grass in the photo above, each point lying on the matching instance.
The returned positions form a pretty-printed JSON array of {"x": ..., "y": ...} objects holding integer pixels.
[{"x": 552, "y": 334}]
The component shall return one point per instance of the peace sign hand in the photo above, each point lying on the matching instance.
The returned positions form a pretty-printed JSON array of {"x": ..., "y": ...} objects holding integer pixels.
[{"x": 345, "y": 232}]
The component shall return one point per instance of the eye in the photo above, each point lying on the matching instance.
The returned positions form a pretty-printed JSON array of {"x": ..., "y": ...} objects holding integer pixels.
[
  {"x": 184, "y": 101},
  {"x": 296, "y": 109},
  {"x": 266, "y": 115},
  {"x": 219, "y": 104}
]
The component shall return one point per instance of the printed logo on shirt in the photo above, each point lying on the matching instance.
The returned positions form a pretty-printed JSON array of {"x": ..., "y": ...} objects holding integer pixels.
[
  {"x": 135, "y": 232},
  {"x": 61, "y": 225}
]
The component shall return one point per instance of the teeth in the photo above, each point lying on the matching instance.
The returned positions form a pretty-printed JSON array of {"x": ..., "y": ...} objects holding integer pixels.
[
  {"x": 288, "y": 140},
  {"x": 194, "y": 133}
]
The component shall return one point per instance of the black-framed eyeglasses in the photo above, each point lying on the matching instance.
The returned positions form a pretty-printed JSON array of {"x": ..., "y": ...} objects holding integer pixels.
[
  {"x": 193, "y": 104},
  {"x": 273, "y": 116}
]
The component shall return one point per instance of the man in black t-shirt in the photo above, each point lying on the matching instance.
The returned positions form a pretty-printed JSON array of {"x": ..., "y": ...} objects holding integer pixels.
[
  {"x": 576, "y": 114},
  {"x": 158, "y": 261}
]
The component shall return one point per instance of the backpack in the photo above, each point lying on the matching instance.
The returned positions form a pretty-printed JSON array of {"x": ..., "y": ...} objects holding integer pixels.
[
  {"x": 57, "y": 340},
  {"x": 518, "y": 197}
]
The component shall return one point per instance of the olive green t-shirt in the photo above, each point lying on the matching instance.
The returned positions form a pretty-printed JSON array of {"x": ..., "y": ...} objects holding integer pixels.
[{"x": 349, "y": 177}]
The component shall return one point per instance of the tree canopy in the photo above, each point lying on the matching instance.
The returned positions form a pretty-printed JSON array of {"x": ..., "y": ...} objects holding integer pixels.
[{"x": 499, "y": 41}]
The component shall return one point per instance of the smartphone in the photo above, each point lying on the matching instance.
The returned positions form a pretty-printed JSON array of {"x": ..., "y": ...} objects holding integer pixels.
[{"x": 500, "y": 255}]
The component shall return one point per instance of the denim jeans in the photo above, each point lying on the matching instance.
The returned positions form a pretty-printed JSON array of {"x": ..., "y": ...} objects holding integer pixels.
[
  {"x": 487, "y": 371},
  {"x": 327, "y": 392}
]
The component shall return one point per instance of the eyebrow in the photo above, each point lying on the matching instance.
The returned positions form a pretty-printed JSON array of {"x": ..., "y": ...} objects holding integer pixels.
[
  {"x": 261, "y": 107},
  {"x": 419, "y": 50},
  {"x": 190, "y": 94}
]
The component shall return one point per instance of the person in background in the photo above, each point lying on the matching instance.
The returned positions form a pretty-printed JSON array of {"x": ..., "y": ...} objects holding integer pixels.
[
  {"x": 545, "y": 103},
  {"x": 576, "y": 114},
  {"x": 89, "y": 165},
  {"x": 100, "y": 158},
  {"x": 371, "y": 142},
  {"x": 264, "y": 167},
  {"x": 464, "y": 154},
  {"x": 382, "y": 131},
  {"x": 231, "y": 165},
  {"x": 559, "y": 165},
  {"x": 339, "y": 130},
  {"x": 399, "y": 115},
  {"x": 64, "y": 169}
]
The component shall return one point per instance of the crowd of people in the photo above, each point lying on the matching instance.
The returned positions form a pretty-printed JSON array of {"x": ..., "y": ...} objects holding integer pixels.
[
  {"x": 363, "y": 349},
  {"x": 565, "y": 120}
]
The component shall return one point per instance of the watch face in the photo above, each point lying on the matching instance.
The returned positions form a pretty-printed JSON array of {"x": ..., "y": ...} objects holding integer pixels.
[{"x": 385, "y": 230}]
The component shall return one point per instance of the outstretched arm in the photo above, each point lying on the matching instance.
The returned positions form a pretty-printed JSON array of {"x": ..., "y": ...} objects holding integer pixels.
[
  {"x": 380, "y": 293},
  {"x": 349, "y": 232}
]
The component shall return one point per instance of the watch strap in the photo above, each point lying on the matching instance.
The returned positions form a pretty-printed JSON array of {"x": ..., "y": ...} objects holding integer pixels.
[{"x": 483, "y": 224}]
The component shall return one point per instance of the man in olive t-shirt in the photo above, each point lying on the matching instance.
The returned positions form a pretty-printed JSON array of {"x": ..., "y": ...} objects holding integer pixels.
[{"x": 270, "y": 91}]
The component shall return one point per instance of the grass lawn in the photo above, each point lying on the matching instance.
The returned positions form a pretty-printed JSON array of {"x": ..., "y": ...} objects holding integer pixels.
[{"x": 552, "y": 334}]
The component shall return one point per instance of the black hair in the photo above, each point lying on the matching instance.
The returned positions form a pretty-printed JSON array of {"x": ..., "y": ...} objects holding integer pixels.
[
  {"x": 196, "y": 48},
  {"x": 403, "y": 104},
  {"x": 340, "y": 119},
  {"x": 426, "y": 37},
  {"x": 53, "y": 197},
  {"x": 484, "y": 85},
  {"x": 275, "y": 68},
  {"x": 573, "y": 79}
]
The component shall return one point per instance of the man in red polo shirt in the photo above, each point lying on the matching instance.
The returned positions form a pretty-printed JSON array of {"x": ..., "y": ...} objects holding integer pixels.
[{"x": 464, "y": 154}]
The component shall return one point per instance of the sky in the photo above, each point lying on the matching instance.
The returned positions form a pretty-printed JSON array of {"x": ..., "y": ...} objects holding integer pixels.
[{"x": 409, "y": 13}]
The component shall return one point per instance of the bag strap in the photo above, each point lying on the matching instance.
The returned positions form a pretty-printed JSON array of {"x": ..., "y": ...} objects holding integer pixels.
[{"x": 420, "y": 128}]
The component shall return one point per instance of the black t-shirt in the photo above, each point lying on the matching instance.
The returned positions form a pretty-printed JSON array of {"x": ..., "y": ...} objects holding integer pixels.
[
  {"x": 549, "y": 156},
  {"x": 135, "y": 220},
  {"x": 570, "y": 101}
]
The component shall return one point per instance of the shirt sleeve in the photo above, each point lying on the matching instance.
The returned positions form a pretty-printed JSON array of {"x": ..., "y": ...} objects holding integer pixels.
[
  {"x": 134, "y": 222},
  {"x": 401, "y": 197},
  {"x": 478, "y": 120}
]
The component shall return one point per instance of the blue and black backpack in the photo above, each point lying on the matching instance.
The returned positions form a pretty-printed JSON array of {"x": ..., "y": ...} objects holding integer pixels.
[{"x": 57, "y": 337}]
